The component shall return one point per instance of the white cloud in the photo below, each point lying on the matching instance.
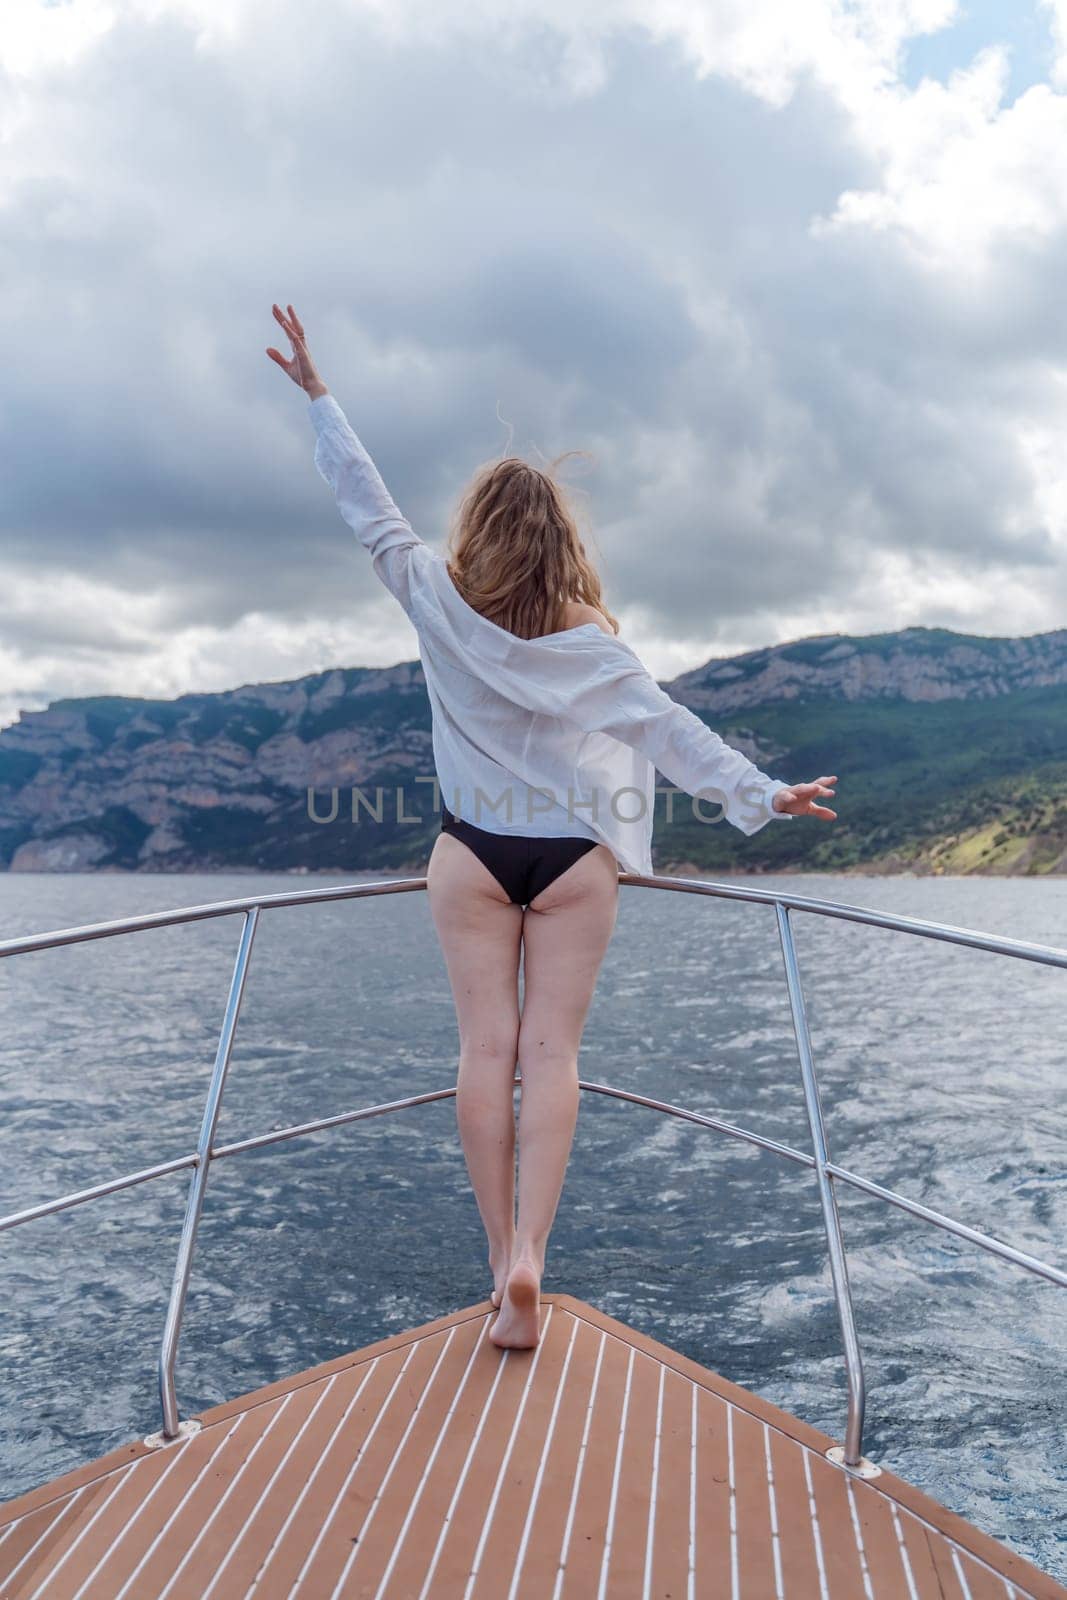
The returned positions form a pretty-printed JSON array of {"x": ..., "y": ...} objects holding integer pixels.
[
  {"x": 962, "y": 175},
  {"x": 75, "y": 636}
]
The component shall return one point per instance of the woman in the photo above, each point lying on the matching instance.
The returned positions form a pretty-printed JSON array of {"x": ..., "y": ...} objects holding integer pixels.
[{"x": 546, "y": 728}]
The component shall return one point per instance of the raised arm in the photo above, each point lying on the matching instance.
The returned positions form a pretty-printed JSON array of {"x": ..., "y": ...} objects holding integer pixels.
[{"x": 362, "y": 497}]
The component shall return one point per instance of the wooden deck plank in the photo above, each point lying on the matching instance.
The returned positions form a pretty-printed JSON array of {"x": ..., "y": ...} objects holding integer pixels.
[
  {"x": 876, "y": 1541},
  {"x": 670, "y": 1551},
  {"x": 31, "y": 1544},
  {"x": 800, "y": 1563},
  {"x": 419, "y": 1545},
  {"x": 124, "y": 1497},
  {"x": 401, "y": 1470},
  {"x": 280, "y": 1496},
  {"x": 285, "y": 1546},
  {"x": 1023, "y": 1574},
  {"x": 344, "y": 1516},
  {"x": 963, "y": 1578},
  {"x": 460, "y": 1544},
  {"x": 923, "y": 1569},
  {"x": 208, "y": 1545},
  {"x": 545, "y": 1530},
  {"x": 755, "y": 1550},
  {"x": 715, "y": 1548},
  {"x": 509, "y": 1508},
  {"x": 23, "y": 1538},
  {"x": 981, "y": 1584},
  {"x": 948, "y": 1572},
  {"x": 412, "y": 1463},
  {"x": 833, "y": 1519},
  {"x": 582, "y": 1548},
  {"x": 128, "y": 1537},
  {"x": 629, "y": 1526},
  {"x": 260, "y": 1497}
]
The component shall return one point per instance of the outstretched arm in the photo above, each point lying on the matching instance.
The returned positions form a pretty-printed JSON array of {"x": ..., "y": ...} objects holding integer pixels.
[
  {"x": 691, "y": 754},
  {"x": 635, "y": 710},
  {"x": 362, "y": 497},
  {"x": 701, "y": 763}
]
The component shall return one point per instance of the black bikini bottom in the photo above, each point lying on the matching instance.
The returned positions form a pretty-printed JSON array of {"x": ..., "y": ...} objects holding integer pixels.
[{"x": 522, "y": 866}]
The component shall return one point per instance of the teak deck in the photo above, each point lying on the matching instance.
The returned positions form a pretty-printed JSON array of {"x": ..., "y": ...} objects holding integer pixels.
[{"x": 434, "y": 1466}]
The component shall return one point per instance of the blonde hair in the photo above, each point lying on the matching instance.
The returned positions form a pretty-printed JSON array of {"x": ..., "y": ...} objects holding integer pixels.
[{"x": 514, "y": 551}]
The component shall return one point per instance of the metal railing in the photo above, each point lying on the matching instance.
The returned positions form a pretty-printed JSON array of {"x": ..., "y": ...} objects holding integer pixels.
[{"x": 827, "y": 1172}]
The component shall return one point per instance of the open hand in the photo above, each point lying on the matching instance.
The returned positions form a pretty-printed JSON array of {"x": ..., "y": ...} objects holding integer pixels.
[
  {"x": 798, "y": 799},
  {"x": 300, "y": 366}
]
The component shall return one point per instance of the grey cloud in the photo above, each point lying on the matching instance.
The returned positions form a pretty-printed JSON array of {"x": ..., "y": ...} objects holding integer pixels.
[
  {"x": 88, "y": 635},
  {"x": 458, "y": 234}
]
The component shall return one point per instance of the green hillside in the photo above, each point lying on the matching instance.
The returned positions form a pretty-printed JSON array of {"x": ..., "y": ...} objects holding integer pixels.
[
  {"x": 950, "y": 752},
  {"x": 952, "y": 786}
]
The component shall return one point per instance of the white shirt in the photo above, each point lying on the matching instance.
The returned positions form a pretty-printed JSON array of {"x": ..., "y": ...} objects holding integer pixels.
[{"x": 569, "y": 727}]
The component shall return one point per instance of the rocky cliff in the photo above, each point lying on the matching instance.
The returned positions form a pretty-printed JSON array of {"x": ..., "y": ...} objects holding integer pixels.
[{"x": 943, "y": 743}]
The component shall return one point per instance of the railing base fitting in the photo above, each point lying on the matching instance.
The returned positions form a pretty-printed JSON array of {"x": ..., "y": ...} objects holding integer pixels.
[
  {"x": 863, "y": 1467},
  {"x": 157, "y": 1441}
]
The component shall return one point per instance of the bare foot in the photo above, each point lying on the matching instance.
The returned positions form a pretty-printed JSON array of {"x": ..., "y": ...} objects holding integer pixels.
[{"x": 518, "y": 1322}]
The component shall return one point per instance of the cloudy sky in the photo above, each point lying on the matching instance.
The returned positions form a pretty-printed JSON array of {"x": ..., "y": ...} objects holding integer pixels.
[{"x": 792, "y": 271}]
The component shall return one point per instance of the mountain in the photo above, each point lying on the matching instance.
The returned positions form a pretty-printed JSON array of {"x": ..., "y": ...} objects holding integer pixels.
[{"x": 950, "y": 750}]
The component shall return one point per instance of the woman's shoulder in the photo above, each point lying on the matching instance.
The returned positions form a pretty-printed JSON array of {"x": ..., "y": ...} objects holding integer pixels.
[{"x": 577, "y": 612}]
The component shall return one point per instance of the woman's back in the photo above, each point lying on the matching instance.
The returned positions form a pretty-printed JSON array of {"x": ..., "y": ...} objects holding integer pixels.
[{"x": 570, "y": 725}]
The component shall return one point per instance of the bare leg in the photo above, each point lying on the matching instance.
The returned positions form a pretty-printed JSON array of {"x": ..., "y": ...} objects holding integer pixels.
[
  {"x": 480, "y": 930},
  {"x": 566, "y": 930}
]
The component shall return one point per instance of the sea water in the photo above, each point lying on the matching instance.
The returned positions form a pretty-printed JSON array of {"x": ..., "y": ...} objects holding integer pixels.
[{"x": 942, "y": 1075}]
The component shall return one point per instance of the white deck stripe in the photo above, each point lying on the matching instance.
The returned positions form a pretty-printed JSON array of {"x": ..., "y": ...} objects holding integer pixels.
[
  {"x": 65, "y": 1495},
  {"x": 535, "y": 1492},
  {"x": 309, "y": 1558},
  {"x": 565, "y": 1544},
  {"x": 462, "y": 1478},
  {"x": 964, "y": 1585},
  {"x": 405, "y": 1525},
  {"x": 734, "y": 1585},
  {"x": 120, "y": 1478},
  {"x": 487, "y": 1520},
  {"x": 209, "y": 1461},
  {"x": 650, "y": 1536},
  {"x": 376, "y": 1502},
  {"x": 109, "y": 1552},
  {"x": 298, "y": 1502},
  {"x": 610, "y": 1530},
  {"x": 816, "y": 1534},
  {"x": 253, "y": 1510},
  {"x": 903, "y": 1553},
  {"x": 48, "y": 1528},
  {"x": 693, "y": 1494},
  {"x": 232, "y": 1485},
  {"x": 122, "y": 1470},
  {"x": 867, "y": 1488},
  {"x": 65, "y": 1557},
  {"x": 163, "y": 1476},
  {"x": 772, "y": 1502},
  {"x": 861, "y": 1548}
]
